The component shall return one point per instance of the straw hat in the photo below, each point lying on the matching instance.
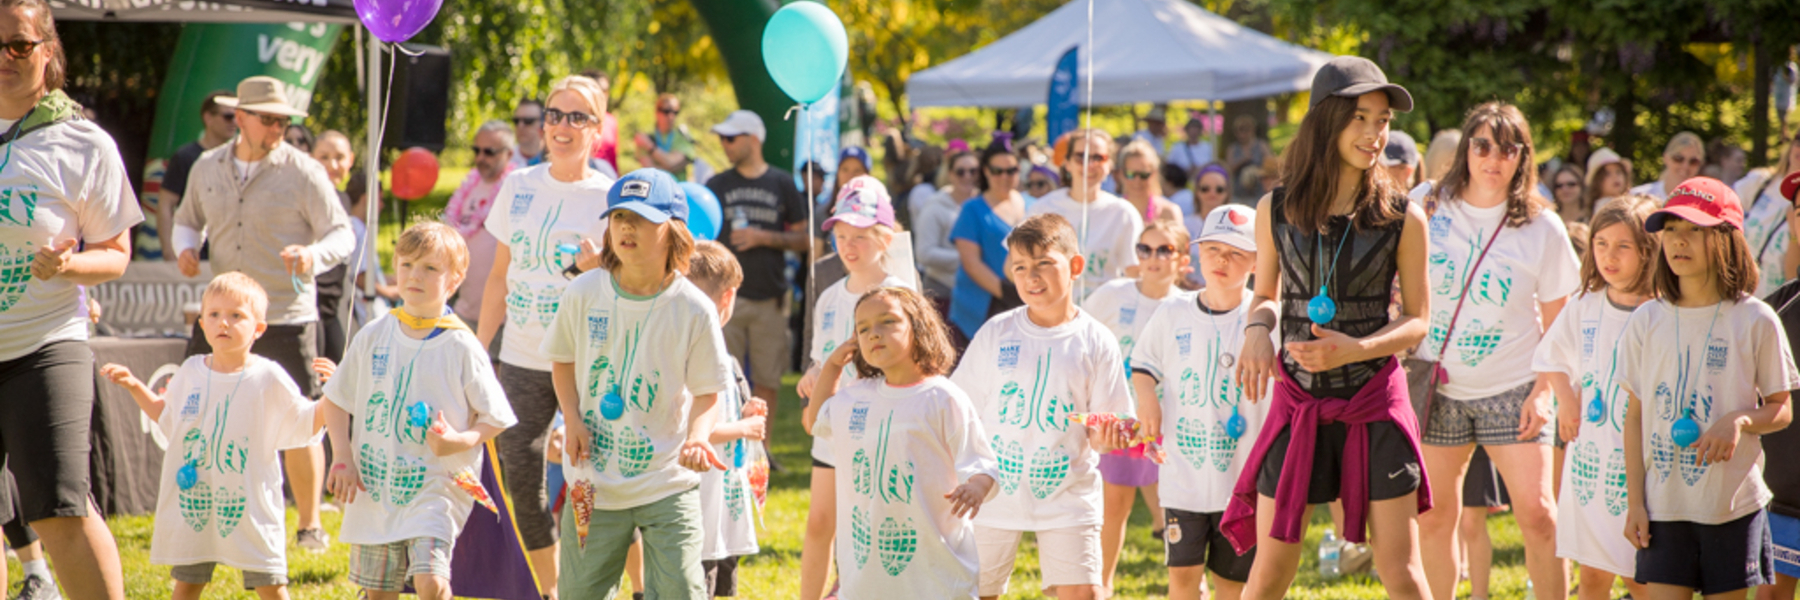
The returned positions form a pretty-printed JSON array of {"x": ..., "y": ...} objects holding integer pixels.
[
  {"x": 262, "y": 95},
  {"x": 1598, "y": 160}
]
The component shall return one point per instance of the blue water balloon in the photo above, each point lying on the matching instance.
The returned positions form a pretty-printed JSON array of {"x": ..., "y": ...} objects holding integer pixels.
[
  {"x": 1685, "y": 431},
  {"x": 1596, "y": 408},
  {"x": 568, "y": 249},
  {"x": 187, "y": 476},
  {"x": 1321, "y": 309},
  {"x": 419, "y": 414},
  {"x": 1234, "y": 426},
  {"x": 612, "y": 405},
  {"x": 737, "y": 454}
]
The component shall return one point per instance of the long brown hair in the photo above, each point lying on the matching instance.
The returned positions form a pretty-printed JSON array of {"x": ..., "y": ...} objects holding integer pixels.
[
  {"x": 1727, "y": 254},
  {"x": 1312, "y": 172},
  {"x": 1629, "y": 210},
  {"x": 1507, "y": 126},
  {"x": 931, "y": 348},
  {"x": 55, "y": 67}
]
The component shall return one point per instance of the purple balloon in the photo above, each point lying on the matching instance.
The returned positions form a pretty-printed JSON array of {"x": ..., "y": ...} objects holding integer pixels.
[{"x": 396, "y": 21}]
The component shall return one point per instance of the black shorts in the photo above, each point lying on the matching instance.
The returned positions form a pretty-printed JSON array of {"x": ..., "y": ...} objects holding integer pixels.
[
  {"x": 1194, "y": 539},
  {"x": 721, "y": 576},
  {"x": 1482, "y": 487},
  {"x": 819, "y": 464},
  {"x": 47, "y": 399},
  {"x": 291, "y": 346},
  {"x": 1394, "y": 469},
  {"x": 1712, "y": 559}
]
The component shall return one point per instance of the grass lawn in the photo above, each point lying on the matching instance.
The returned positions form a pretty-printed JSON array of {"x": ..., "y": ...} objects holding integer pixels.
[{"x": 775, "y": 572}]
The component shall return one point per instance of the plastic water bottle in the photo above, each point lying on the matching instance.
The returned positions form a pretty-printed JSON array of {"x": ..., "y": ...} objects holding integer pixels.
[
  {"x": 739, "y": 219},
  {"x": 1330, "y": 548}
]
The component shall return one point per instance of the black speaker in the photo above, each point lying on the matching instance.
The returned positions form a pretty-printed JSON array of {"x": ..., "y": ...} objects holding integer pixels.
[{"x": 419, "y": 103}]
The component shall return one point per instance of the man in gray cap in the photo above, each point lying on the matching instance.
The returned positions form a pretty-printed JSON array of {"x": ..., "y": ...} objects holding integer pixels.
[
  {"x": 1401, "y": 159},
  {"x": 271, "y": 212}
]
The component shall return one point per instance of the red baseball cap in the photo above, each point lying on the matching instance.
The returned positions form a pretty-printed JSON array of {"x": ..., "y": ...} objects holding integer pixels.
[
  {"x": 1790, "y": 188},
  {"x": 1703, "y": 201}
]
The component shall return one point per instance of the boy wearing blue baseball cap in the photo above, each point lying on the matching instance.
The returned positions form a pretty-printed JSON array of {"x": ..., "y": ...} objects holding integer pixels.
[{"x": 638, "y": 362}]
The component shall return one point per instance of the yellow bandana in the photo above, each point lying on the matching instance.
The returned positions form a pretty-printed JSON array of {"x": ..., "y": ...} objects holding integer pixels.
[{"x": 448, "y": 321}]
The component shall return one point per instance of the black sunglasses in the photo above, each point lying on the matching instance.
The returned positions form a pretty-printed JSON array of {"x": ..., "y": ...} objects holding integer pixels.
[
  {"x": 1138, "y": 174},
  {"x": 999, "y": 172},
  {"x": 669, "y": 111},
  {"x": 480, "y": 151},
  {"x": 229, "y": 117},
  {"x": 1568, "y": 184},
  {"x": 1164, "y": 251},
  {"x": 1207, "y": 189},
  {"x": 1038, "y": 183},
  {"x": 578, "y": 120},
  {"x": 963, "y": 172},
  {"x": 1485, "y": 147},
  {"x": 525, "y": 121},
  {"x": 729, "y": 138},
  {"x": 21, "y": 49},
  {"x": 267, "y": 120}
]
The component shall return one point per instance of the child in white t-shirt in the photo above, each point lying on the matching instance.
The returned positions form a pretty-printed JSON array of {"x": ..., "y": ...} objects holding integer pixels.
[
  {"x": 410, "y": 410},
  {"x": 1026, "y": 372},
  {"x": 1580, "y": 354},
  {"x": 863, "y": 226},
  {"x": 726, "y": 501},
  {"x": 1124, "y": 305},
  {"x": 220, "y": 499},
  {"x": 1705, "y": 356},
  {"x": 1184, "y": 373},
  {"x": 639, "y": 362},
  {"x": 917, "y": 459}
]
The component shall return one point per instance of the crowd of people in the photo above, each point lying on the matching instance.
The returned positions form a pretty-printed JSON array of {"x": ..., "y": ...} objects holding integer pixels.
[{"x": 1232, "y": 333}]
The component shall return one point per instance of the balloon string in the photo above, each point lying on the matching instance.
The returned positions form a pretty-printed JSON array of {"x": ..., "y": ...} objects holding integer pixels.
[
  {"x": 1087, "y": 146},
  {"x": 812, "y": 262},
  {"x": 402, "y": 49}
]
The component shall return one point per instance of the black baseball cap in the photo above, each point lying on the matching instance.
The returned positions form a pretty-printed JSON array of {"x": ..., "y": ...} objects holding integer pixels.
[{"x": 1353, "y": 76}]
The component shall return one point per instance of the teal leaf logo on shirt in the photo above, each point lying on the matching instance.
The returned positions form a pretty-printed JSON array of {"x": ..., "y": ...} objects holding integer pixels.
[
  {"x": 898, "y": 542},
  {"x": 1049, "y": 467}
]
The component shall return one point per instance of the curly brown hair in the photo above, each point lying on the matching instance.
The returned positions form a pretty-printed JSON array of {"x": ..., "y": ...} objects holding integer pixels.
[{"x": 931, "y": 347}]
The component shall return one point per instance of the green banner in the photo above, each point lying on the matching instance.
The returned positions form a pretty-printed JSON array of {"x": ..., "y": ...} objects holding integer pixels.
[{"x": 216, "y": 56}]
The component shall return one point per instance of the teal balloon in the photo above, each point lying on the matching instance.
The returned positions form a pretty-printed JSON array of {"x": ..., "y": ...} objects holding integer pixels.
[
  {"x": 805, "y": 48},
  {"x": 705, "y": 216}
]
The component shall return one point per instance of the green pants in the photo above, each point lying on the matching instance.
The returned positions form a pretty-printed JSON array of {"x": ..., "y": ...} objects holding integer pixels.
[{"x": 672, "y": 537}]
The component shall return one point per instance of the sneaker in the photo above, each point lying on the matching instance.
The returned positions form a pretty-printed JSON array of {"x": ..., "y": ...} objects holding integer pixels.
[
  {"x": 38, "y": 588},
  {"x": 314, "y": 539}
]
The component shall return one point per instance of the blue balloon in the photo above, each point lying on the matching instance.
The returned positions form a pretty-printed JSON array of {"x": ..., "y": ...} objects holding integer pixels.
[
  {"x": 187, "y": 476},
  {"x": 1685, "y": 431},
  {"x": 419, "y": 414},
  {"x": 705, "y": 216},
  {"x": 805, "y": 48},
  {"x": 1596, "y": 409},
  {"x": 612, "y": 405},
  {"x": 1321, "y": 309},
  {"x": 1235, "y": 425}
]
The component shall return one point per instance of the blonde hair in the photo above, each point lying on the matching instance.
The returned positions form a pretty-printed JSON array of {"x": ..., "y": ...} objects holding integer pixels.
[
  {"x": 237, "y": 286},
  {"x": 586, "y": 88},
  {"x": 714, "y": 268},
  {"x": 1176, "y": 232},
  {"x": 434, "y": 238},
  {"x": 1686, "y": 139},
  {"x": 681, "y": 248},
  {"x": 1440, "y": 154},
  {"x": 1630, "y": 210},
  {"x": 1142, "y": 150}
]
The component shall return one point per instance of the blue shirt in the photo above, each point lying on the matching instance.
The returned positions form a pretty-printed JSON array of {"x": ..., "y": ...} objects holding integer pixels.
[{"x": 977, "y": 223}]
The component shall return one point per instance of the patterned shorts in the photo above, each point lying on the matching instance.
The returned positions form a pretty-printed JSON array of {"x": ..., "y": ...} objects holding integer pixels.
[
  {"x": 388, "y": 567},
  {"x": 1490, "y": 421}
]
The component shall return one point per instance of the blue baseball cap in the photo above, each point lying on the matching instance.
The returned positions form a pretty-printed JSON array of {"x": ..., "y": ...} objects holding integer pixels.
[
  {"x": 857, "y": 153},
  {"x": 651, "y": 193}
]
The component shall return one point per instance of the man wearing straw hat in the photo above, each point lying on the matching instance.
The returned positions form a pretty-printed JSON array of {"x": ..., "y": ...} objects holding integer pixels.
[{"x": 270, "y": 211}]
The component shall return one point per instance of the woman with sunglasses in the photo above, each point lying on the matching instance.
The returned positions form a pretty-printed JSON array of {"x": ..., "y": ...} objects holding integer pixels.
[
  {"x": 62, "y": 185},
  {"x": 934, "y": 252},
  {"x": 1566, "y": 193},
  {"x": 1501, "y": 269},
  {"x": 547, "y": 220},
  {"x": 1139, "y": 180},
  {"x": 1212, "y": 189},
  {"x": 1040, "y": 181},
  {"x": 1770, "y": 218},
  {"x": 1107, "y": 224},
  {"x": 980, "y": 234},
  {"x": 1682, "y": 160}
]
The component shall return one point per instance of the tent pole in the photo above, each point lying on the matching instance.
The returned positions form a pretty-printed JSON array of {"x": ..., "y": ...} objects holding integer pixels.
[{"x": 371, "y": 165}]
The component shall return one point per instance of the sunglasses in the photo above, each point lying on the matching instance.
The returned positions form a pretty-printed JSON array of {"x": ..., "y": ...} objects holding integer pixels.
[
  {"x": 1139, "y": 174},
  {"x": 480, "y": 151},
  {"x": 1164, "y": 251},
  {"x": 1485, "y": 147},
  {"x": 1038, "y": 184},
  {"x": 669, "y": 111},
  {"x": 1568, "y": 184},
  {"x": 229, "y": 117},
  {"x": 1692, "y": 161},
  {"x": 578, "y": 120},
  {"x": 21, "y": 49},
  {"x": 964, "y": 172},
  {"x": 729, "y": 138},
  {"x": 525, "y": 121},
  {"x": 1209, "y": 189},
  {"x": 267, "y": 120},
  {"x": 1096, "y": 157},
  {"x": 1007, "y": 172}
]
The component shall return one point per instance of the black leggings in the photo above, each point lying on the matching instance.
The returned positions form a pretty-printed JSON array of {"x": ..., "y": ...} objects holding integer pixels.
[{"x": 47, "y": 399}]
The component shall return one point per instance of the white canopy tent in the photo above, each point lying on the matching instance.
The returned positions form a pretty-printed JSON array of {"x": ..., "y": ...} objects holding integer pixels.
[{"x": 1146, "y": 51}]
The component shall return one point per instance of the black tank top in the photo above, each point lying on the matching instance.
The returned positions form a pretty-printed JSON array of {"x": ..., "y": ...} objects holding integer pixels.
[{"x": 1362, "y": 286}]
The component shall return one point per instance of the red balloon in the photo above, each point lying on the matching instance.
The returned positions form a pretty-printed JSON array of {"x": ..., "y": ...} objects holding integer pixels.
[{"x": 414, "y": 174}]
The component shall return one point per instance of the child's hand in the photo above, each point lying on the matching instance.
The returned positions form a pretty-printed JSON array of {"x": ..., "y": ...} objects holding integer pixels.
[
  {"x": 575, "y": 440},
  {"x": 588, "y": 258},
  {"x": 1720, "y": 441},
  {"x": 1637, "y": 526},
  {"x": 445, "y": 440},
  {"x": 325, "y": 368},
  {"x": 344, "y": 481},
  {"x": 697, "y": 455},
  {"x": 807, "y": 381},
  {"x": 120, "y": 375},
  {"x": 754, "y": 428},
  {"x": 553, "y": 449},
  {"x": 844, "y": 355},
  {"x": 1111, "y": 436},
  {"x": 756, "y": 407},
  {"x": 966, "y": 499}
]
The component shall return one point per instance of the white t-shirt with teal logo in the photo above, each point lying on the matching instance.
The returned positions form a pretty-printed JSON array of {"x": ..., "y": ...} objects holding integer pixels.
[
  {"x": 1193, "y": 356},
  {"x": 1766, "y": 229},
  {"x": 61, "y": 182},
  {"x": 1498, "y": 328},
  {"x": 1025, "y": 381},
  {"x": 1745, "y": 357},
  {"x": 902, "y": 449},
  {"x": 654, "y": 354},
  {"x": 1110, "y": 240},
  {"x": 227, "y": 431},
  {"x": 385, "y": 378},
  {"x": 1584, "y": 343},
  {"x": 727, "y": 506},
  {"x": 534, "y": 215},
  {"x": 1124, "y": 310}
]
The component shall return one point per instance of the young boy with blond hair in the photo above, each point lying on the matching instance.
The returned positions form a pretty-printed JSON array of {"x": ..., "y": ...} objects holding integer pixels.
[
  {"x": 233, "y": 413},
  {"x": 407, "y": 472}
]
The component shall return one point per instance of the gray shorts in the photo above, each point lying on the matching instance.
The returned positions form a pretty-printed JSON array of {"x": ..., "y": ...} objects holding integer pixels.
[
  {"x": 202, "y": 574},
  {"x": 1490, "y": 421}
]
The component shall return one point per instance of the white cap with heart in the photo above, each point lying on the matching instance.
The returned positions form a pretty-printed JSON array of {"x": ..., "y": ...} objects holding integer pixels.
[{"x": 1233, "y": 224}]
